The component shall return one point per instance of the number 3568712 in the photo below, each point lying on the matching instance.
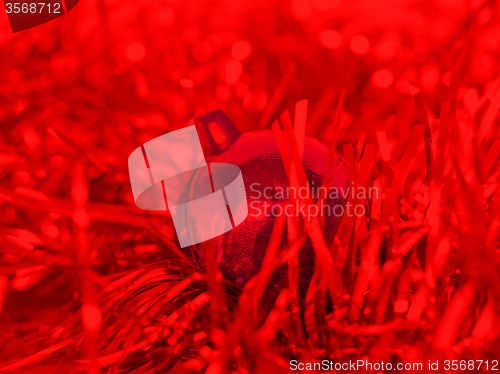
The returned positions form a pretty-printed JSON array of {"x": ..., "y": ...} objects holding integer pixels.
[{"x": 33, "y": 8}]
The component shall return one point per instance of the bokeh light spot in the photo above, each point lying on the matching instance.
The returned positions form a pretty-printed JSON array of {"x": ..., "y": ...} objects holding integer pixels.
[
  {"x": 484, "y": 16},
  {"x": 135, "y": 51},
  {"x": 359, "y": 44},
  {"x": 386, "y": 50},
  {"x": 255, "y": 101},
  {"x": 324, "y": 4},
  {"x": 223, "y": 93},
  {"x": 331, "y": 39},
  {"x": 91, "y": 317},
  {"x": 57, "y": 161},
  {"x": 166, "y": 16},
  {"x": 241, "y": 50},
  {"x": 52, "y": 231},
  {"x": 429, "y": 77},
  {"x": 401, "y": 306},
  {"x": 234, "y": 68},
  {"x": 301, "y": 10},
  {"x": 382, "y": 78},
  {"x": 186, "y": 83},
  {"x": 31, "y": 137}
]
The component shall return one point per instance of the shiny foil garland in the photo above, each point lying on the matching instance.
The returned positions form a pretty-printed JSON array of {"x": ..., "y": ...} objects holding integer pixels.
[{"x": 406, "y": 94}]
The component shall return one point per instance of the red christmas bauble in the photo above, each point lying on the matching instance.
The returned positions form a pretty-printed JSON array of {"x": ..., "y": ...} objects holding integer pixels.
[{"x": 240, "y": 252}]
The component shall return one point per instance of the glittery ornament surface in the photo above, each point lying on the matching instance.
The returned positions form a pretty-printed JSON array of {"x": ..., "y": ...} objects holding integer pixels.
[
  {"x": 406, "y": 93},
  {"x": 240, "y": 252}
]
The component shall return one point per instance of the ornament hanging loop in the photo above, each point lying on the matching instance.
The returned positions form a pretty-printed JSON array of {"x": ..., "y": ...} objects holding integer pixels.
[{"x": 216, "y": 131}]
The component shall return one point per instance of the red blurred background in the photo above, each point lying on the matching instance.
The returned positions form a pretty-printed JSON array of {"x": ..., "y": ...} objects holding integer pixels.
[{"x": 79, "y": 93}]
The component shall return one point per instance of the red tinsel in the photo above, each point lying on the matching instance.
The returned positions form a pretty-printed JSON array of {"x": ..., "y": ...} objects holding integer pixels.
[{"x": 406, "y": 91}]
